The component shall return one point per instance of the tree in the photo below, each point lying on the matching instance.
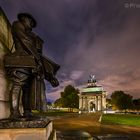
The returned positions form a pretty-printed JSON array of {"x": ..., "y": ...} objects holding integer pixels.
[
  {"x": 108, "y": 103},
  {"x": 69, "y": 97},
  {"x": 58, "y": 103},
  {"x": 121, "y": 100},
  {"x": 136, "y": 104}
]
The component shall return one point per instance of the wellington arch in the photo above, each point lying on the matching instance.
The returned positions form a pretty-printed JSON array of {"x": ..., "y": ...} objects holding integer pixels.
[{"x": 92, "y": 98}]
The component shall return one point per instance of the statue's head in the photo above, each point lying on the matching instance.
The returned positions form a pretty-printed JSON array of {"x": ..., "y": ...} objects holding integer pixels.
[{"x": 27, "y": 19}]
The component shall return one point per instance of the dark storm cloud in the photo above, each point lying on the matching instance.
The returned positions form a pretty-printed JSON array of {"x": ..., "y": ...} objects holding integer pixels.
[{"x": 88, "y": 36}]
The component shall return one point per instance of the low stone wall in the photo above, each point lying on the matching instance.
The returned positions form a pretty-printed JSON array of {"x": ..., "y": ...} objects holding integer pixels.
[{"x": 6, "y": 43}]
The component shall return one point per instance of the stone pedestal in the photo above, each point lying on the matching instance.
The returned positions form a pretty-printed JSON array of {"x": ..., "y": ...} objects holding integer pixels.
[
  {"x": 4, "y": 109},
  {"x": 6, "y": 43},
  {"x": 16, "y": 131}
]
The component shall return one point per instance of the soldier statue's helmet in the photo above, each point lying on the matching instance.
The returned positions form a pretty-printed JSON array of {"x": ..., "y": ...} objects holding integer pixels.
[{"x": 21, "y": 15}]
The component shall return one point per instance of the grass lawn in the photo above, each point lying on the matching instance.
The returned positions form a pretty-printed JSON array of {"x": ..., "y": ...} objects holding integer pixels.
[{"x": 124, "y": 119}]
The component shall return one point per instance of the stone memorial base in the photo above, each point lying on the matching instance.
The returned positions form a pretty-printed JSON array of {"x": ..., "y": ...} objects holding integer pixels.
[
  {"x": 4, "y": 108},
  {"x": 24, "y": 129}
]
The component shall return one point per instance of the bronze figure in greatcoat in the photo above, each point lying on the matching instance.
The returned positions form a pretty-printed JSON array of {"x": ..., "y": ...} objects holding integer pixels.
[{"x": 27, "y": 68}]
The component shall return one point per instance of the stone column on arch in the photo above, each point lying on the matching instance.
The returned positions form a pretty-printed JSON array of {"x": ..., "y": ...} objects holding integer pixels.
[
  {"x": 85, "y": 104},
  {"x": 99, "y": 103},
  {"x": 80, "y": 102},
  {"x": 104, "y": 100},
  {"x": 96, "y": 106}
]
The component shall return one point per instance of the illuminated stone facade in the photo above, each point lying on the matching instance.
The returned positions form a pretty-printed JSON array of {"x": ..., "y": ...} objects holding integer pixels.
[
  {"x": 6, "y": 41},
  {"x": 92, "y": 98}
]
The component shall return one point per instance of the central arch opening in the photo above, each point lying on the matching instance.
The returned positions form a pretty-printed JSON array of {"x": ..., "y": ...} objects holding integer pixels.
[{"x": 91, "y": 106}]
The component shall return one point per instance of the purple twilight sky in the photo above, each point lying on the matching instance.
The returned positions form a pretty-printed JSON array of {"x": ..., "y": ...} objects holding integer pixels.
[{"x": 100, "y": 37}]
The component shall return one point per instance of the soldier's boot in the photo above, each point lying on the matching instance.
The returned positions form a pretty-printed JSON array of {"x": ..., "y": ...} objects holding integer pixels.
[
  {"x": 26, "y": 103},
  {"x": 14, "y": 102},
  {"x": 28, "y": 114}
]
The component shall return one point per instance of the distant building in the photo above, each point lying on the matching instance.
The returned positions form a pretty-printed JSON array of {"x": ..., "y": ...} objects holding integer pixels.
[{"x": 92, "y": 98}]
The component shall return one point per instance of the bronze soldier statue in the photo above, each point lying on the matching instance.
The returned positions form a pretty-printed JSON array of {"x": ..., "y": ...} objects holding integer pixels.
[{"x": 27, "y": 68}]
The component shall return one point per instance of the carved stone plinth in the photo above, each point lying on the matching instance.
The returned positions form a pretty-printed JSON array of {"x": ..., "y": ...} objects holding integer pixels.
[
  {"x": 27, "y": 129},
  {"x": 24, "y": 123}
]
